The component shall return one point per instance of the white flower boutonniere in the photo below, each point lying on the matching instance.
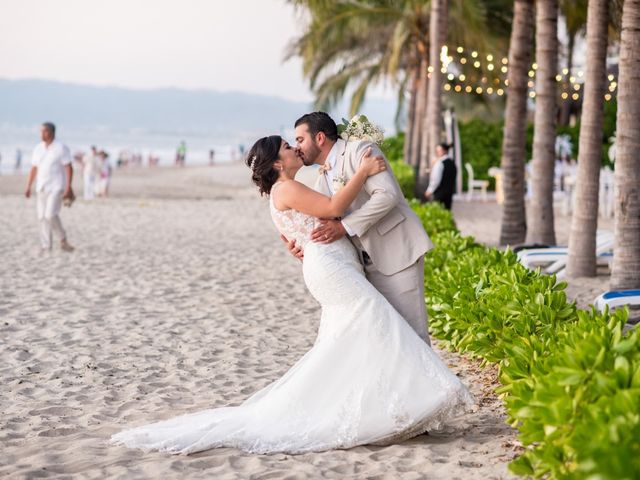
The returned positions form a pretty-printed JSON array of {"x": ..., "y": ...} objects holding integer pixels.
[{"x": 339, "y": 181}]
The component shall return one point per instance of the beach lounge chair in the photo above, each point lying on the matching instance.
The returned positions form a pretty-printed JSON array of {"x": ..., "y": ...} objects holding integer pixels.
[
  {"x": 613, "y": 299},
  {"x": 555, "y": 258}
]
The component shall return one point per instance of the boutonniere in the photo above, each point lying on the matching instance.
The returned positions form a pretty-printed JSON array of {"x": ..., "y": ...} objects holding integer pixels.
[
  {"x": 339, "y": 181},
  {"x": 324, "y": 168}
]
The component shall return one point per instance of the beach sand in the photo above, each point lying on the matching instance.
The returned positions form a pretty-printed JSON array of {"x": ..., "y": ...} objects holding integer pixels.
[{"x": 180, "y": 297}]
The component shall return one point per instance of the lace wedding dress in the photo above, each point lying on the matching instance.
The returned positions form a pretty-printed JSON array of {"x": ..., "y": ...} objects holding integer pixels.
[{"x": 369, "y": 379}]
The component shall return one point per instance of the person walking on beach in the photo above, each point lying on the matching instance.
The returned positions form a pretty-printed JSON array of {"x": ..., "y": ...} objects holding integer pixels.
[
  {"x": 18, "y": 164},
  {"x": 89, "y": 169},
  {"x": 442, "y": 181},
  {"x": 181, "y": 154},
  {"x": 52, "y": 171}
]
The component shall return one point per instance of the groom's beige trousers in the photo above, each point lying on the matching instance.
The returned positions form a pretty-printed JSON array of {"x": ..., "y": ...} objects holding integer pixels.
[{"x": 405, "y": 291}]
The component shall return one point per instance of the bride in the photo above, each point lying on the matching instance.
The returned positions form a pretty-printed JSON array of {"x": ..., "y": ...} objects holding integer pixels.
[{"x": 369, "y": 378}]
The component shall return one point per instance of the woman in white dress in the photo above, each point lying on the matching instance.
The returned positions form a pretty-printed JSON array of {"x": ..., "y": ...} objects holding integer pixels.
[{"x": 369, "y": 379}]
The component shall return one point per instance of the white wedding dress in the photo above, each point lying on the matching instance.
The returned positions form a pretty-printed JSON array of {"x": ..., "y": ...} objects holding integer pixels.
[{"x": 369, "y": 378}]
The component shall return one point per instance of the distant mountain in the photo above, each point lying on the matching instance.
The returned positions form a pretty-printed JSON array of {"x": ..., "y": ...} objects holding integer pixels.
[{"x": 224, "y": 114}]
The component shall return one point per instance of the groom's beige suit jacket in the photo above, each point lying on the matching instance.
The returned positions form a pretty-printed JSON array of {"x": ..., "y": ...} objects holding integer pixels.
[{"x": 380, "y": 218}]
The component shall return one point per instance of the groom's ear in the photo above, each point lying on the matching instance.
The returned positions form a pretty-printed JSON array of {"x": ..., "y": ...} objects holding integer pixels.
[{"x": 321, "y": 138}]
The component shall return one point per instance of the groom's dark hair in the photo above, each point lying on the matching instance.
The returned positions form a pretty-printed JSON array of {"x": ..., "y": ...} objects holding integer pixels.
[{"x": 319, "y": 122}]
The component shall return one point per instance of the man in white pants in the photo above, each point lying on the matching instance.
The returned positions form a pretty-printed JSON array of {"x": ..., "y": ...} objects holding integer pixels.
[{"x": 52, "y": 171}]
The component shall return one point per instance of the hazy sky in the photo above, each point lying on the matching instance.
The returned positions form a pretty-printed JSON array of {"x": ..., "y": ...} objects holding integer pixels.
[{"x": 214, "y": 44}]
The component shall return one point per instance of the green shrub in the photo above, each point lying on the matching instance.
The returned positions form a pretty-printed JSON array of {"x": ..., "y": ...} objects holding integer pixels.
[
  {"x": 393, "y": 147},
  {"x": 406, "y": 177},
  {"x": 570, "y": 378}
]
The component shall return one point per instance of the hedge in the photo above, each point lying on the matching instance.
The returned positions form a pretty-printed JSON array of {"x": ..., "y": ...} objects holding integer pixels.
[{"x": 570, "y": 378}]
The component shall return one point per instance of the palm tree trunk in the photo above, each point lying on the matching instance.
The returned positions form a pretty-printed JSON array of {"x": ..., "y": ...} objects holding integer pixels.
[
  {"x": 421, "y": 162},
  {"x": 626, "y": 255},
  {"x": 411, "y": 116},
  {"x": 565, "y": 106},
  {"x": 434, "y": 97},
  {"x": 582, "y": 239},
  {"x": 544, "y": 137},
  {"x": 514, "y": 227},
  {"x": 421, "y": 99}
]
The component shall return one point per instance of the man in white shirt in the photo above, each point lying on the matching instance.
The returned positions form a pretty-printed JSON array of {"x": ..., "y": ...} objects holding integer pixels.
[{"x": 52, "y": 171}]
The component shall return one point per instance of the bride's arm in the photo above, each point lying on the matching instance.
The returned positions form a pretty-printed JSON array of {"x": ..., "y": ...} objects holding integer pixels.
[{"x": 295, "y": 195}]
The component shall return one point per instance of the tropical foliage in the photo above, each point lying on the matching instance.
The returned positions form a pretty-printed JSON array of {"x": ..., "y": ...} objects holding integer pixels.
[{"x": 571, "y": 378}]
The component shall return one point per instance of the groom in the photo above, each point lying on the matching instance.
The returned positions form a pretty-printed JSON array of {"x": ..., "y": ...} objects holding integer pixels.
[{"x": 387, "y": 234}]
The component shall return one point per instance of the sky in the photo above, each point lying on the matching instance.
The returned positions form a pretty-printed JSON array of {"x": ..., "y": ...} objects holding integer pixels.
[{"x": 224, "y": 45}]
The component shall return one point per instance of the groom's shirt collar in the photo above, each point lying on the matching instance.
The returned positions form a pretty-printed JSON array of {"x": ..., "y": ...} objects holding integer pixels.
[{"x": 333, "y": 156}]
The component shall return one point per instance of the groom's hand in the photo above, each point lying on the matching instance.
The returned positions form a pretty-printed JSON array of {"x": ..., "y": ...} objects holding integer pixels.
[
  {"x": 329, "y": 231},
  {"x": 293, "y": 248}
]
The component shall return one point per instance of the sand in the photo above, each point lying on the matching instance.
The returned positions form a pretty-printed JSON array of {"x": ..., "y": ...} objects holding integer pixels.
[{"x": 179, "y": 297}]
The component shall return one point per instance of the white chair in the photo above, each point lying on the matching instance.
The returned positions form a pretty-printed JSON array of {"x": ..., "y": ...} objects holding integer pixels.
[
  {"x": 613, "y": 299},
  {"x": 554, "y": 259},
  {"x": 472, "y": 184}
]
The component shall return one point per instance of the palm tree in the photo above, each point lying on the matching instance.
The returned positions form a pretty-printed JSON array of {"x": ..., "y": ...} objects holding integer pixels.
[
  {"x": 541, "y": 208},
  {"x": 582, "y": 239},
  {"x": 574, "y": 13},
  {"x": 626, "y": 255},
  {"x": 414, "y": 81},
  {"x": 418, "y": 120},
  {"x": 513, "y": 228},
  {"x": 432, "y": 128},
  {"x": 351, "y": 42}
]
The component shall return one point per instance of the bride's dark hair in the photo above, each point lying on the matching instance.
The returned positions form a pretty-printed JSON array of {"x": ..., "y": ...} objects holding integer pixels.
[{"x": 260, "y": 160}]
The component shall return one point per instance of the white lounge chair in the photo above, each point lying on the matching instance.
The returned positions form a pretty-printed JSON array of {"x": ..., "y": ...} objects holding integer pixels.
[
  {"x": 613, "y": 299},
  {"x": 472, "y": 184},
  {"x": 554, "y": 259}
]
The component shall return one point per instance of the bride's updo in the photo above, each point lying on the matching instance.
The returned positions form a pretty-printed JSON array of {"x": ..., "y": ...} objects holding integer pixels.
[{"x": 260, "y": 160}]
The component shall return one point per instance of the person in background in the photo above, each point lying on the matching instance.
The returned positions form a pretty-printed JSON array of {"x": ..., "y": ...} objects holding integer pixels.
[
  {"x": 212, "y": 156},
  {"x": 104, "y": 174},
  {"x": 18, "y": 164},
  {"x": 52, "y": 171},
  {"x": 181, "y": 154},
  {"x": 89, "y": 171},
  {"x": 442, "y": 180}
]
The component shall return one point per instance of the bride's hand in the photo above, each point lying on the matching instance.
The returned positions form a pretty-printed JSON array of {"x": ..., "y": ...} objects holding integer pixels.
[{"x": 372, "y": 164}]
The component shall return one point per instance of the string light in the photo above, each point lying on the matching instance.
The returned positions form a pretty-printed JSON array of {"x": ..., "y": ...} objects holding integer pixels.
[{"x": 569, "y": 83}]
